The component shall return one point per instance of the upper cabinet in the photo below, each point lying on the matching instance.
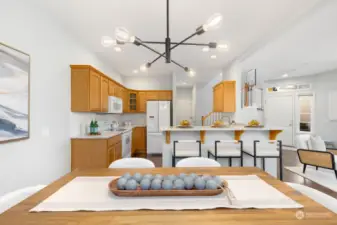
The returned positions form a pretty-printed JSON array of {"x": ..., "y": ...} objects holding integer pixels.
[
  {"x": 224, "y": 97},
  {"x": 90, "y": 91}
]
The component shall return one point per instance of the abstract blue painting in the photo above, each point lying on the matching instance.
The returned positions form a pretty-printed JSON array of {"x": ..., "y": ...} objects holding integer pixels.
[{"x": 14, "y": 94}]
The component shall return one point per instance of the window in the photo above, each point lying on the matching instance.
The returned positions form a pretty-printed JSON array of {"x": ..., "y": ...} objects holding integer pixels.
[{"x": 305, "y": 112}]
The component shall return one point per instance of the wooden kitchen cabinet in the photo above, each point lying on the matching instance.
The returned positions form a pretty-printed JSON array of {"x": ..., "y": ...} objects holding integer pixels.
[
  {"x": 125, "y": 98},
  {"x": 152, "y": 95},
  {"x": 165, "y": 95},
  {"x": 95, "y": 153},
  {"x": 141, "y": 101},
  {"x": 139, "y": 142},
  {"x": 133, "y": 99},
  {"x": 112, "y": 87},
  {"x": 104, "y": 94},
  {"x": 224, "y": 97}
]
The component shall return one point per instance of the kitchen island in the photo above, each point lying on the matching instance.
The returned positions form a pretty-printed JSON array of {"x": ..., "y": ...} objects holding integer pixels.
[{"x": 208, "y": 135}]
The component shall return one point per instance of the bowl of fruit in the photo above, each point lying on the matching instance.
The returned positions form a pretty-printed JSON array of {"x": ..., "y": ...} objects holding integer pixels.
[
  {"x": 254, "y": 123},
  {"x": 138, "y": 185},
  {"x": 184, "y": 124},
  {"x": 218, "y": 123}
]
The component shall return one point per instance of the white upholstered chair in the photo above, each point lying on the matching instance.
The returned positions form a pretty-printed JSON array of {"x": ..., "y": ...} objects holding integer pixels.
[
  {"x": 198, "y": 162},
  {"x": 319, "y": 197},
  {"x": 132, "y": 163},
  {"x": 11, "y": 199},
  {"x": 312, "y": 151},
  {"x": 227, "y": 149}
]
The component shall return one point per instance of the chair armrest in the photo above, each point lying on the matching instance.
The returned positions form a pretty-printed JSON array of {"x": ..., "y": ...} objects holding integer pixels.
[
  {"x": 332, "y": 150},
  {"x": 316, "y": 158}
]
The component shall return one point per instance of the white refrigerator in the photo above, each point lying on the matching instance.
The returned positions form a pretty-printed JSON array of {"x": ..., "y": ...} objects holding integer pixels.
[{"x": 158, "y": 114}]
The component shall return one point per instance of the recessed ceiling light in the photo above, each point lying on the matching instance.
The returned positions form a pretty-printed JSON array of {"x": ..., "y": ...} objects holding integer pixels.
[
  {"x": 107, "y": 41},
  {"x": 118, "y": 49},
  {"x": 135, "y": 71},
  {"x": 213, "y": 56},
  {"x": 223, "y": 46},
  {"x": 285, "y": 75},
  {"x": 205, "y": 49},
  {"x": 143, "y": 68},
  {"x": 191, "y": 73}
]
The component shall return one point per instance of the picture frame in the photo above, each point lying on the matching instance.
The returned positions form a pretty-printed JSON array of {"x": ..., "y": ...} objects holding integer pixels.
[{"x": 14, "y": 94}]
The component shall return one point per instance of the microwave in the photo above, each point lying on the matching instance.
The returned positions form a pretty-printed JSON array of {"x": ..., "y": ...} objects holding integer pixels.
[{"x": 115, "y": 105}]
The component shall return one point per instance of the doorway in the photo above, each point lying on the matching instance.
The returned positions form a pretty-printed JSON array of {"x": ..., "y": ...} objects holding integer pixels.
[{"x": 280, "y": 113}]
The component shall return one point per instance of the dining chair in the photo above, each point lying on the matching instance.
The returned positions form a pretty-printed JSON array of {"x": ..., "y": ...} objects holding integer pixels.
[
  {"x": 227, "y": 149},
  {"x": 319, "y": 197},
  {"x": 185, "y": 149},
  {"x": 132, "y": 163},
  {"x": 198, "y": 162},
  {"x": 264, "y": 150},
  {"x": 11, "y": 199}
]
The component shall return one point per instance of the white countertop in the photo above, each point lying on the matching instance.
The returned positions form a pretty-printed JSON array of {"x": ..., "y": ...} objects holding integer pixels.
[
  {"x": 107, "y": 134},
  {"x": 231, "y": 128}
]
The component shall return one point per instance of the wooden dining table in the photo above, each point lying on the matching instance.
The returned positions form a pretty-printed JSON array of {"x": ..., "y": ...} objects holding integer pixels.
[{"x": 312, "y": 213}]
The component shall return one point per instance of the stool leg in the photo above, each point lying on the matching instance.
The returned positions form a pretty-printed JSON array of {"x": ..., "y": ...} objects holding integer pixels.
[
  {"x": 336, "y": 173},
  {"x": 241, "y": 161},
  {"x": 316, "y": 167},
  {"x": 173, "y": 161},
  {"x": 207, "y": 154},
  {"x": 304, "y": 167},
  {"x": 254, "y": 161},
  {"x": 230, "y": 161},
  {"x": 263, "y": 167}
]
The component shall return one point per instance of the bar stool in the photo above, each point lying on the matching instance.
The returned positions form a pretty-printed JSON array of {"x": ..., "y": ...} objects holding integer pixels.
[
  {"x": 186, "y": 150},
  {"x": 227, "y": 152},
  {"x": 266, "y": 152}
]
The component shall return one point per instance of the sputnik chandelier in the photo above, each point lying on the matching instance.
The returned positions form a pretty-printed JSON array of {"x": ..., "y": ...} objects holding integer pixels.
[{"x": 123, "y": 36}]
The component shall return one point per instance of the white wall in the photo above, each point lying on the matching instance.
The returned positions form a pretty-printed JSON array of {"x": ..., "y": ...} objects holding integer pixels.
[
  {"x": 184, "y": 104},
  {"x": 242, "y": 115},
  {"x": 322, "y": 84},
  {"x": 42, "y": 158},
  {"x": 143, "y": 82}
]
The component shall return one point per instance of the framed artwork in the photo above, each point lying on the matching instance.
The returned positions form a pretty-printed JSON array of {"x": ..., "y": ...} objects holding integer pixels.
[{"x": 14, "y": 94}]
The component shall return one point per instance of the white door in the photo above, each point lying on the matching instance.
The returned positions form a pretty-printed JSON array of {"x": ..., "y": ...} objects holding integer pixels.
[
  {"x": 164, "y": 114},
  {"x": 184, "y": 110},
  {"x": 279, "y": 113},
  {"x": 152, "y": 115}
]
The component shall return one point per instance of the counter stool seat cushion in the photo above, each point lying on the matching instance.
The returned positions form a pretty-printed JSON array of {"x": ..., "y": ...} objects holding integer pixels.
[
  {"x": 262, "y": 152},
  {"x": 198, "y": 162},
  {"x": 132, "y": 163},
  {"x": 226, "y": 152}
]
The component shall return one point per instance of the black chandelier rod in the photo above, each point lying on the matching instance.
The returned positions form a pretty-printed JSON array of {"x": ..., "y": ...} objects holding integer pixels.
[
  {"x": 167, "y": 19},
  {"x": 162, "y": 43},
  {"x": 173, "y": 47},
  {"x": 161, "y": 55}
]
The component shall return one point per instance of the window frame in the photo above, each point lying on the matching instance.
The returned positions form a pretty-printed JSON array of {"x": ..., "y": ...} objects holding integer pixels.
[{"x": 298, "y": 114}]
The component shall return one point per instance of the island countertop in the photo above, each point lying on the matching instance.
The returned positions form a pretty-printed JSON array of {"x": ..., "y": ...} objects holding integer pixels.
[{"x": 231, "y": 128}]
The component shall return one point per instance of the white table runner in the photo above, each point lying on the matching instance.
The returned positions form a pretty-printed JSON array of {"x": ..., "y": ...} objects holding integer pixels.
[{"x": 92, "y": 194}]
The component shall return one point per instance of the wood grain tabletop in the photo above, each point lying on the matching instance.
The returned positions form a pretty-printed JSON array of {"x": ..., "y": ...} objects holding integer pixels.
[{"x": 312, "y": 213}]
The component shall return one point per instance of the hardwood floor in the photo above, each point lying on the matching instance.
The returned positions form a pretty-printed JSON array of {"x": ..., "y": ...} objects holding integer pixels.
[{"x": 290, "y": 158}]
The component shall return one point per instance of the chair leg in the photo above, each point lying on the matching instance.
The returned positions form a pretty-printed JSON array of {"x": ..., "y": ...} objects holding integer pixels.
[
  {"x": 304, "y": 167},
  {"x": 254, "y": 161},
  {"x": 173, "y": 162},
  {"x": 207, "y": 154},
  {"x": 230, "y": 162},
  {"x": 241, "y": 161},
  {"x": 336, "y": 173},
  {"x": 316, "y": 167},
  {"x": 263, "y": 167}
]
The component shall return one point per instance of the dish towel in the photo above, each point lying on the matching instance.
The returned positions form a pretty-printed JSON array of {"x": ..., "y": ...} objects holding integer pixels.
[{"x": 93, "y": 194}]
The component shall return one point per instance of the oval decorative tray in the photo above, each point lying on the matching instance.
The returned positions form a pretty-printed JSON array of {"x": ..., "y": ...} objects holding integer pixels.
[
  {"x": 256, "y": 126},
  {"x": 143, "y": 193},
  {"x": 219, "y": 126},
  {"x": 183, "y": 126}
]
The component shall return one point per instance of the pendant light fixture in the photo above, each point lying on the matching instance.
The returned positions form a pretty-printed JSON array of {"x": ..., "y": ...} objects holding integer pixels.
[{"x": 123, "y": 36}]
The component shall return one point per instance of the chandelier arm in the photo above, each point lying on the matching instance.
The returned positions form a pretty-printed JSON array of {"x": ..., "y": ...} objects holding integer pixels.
[
  {"x": 162, "y": 43},
  {"x": 174, "y": 46},
  {"x": 181, "y": 66},
  {"x": 153, "y": 50}
]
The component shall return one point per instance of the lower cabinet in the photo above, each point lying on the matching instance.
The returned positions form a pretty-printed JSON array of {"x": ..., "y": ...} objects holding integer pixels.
[
  {"x": 95, "y": 153},
  {"x": 139, "y": 142}
]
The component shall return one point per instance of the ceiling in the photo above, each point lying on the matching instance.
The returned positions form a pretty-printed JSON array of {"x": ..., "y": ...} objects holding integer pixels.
[
  {"x": 246, "y": 24},
  {"x": 307, "y": 48}
]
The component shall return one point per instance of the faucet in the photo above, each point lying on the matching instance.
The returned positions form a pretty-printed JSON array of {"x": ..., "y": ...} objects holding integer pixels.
[
  {"x": 114, "y": 125},
  {"x": 229, "y": 120}
]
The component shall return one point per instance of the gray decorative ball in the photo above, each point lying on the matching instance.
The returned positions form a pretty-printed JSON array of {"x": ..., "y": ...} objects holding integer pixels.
[
  {"x": 137, "y": 177},
  {"x": 156, "y": 184},
  {"x": 193, "y": 175},
  {"x": 148, "y": 176},
  {"x": 189, "y": 182},
  {"x": 217, "y": 180},
  {"x": 127, "y": 176},
  {"x": 167, "y": 184},
  {"x": 199, "y": 183},
  {"x": 206, "y": 177},
  {"x": 171, "y": 177},
  {"x": 131, "y": 184},
  {"x": 121, "y": 183},
  {"x": 179, "y": 184},
  {"x": 211, "y": 184},
  {"x": 145, "y": 184},
  {"x": 182, "y": 176},
  {"x": 158, "y": 176}
]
